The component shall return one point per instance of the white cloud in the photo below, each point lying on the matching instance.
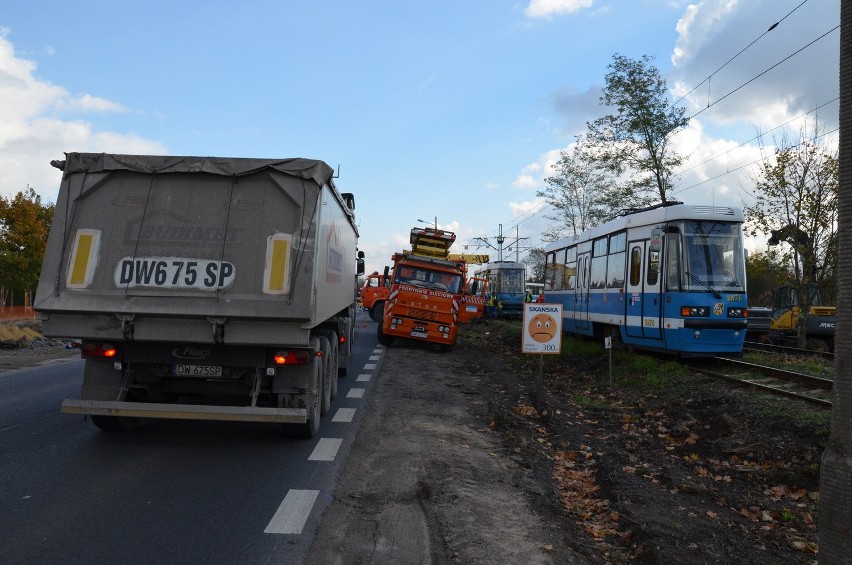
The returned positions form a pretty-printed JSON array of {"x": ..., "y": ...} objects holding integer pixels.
[
  {"x": 548, "y": 8},
  {"x": 32, "y": 131},
  {"x": 524, "y": 182}
]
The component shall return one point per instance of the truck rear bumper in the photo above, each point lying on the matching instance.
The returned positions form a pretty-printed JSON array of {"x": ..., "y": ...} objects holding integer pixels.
[{"x": 185, "y": 411}]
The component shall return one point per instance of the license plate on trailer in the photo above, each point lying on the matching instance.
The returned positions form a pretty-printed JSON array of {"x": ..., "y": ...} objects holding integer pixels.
[
  {"x": 198, "y": 370},
  {"x": 419, "y": 334}
]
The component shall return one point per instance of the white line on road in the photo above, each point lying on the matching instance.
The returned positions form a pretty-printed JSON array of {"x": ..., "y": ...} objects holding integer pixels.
[
  {"x": 326, "y": 449},
  {"x": 375, "y": 357},
  {"x": 356, "y": 393},
  {"x": 291, "y": 516},
  {"x": 363, "y": 378},
  {"x": 344, "y": 415},
  {"x": 370, "y": 366}
]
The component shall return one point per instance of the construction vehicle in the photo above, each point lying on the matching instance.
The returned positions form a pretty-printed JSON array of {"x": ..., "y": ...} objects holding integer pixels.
[
  {"x": 786, "y": 321},
  {"x": 429, "y": 294},
  {"x": 202, "y": 288},
  {"x": 374, "y": 293}
]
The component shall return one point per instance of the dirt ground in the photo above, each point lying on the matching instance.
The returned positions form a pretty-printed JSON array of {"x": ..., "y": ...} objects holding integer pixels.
[
  {"x": 22, "y": 345},
  {"x": 453, "y": 463}
]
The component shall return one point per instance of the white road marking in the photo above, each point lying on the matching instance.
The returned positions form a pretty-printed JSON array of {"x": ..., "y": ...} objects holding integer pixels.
[
  {"x": 326, "y": 449},
  {"x": 356, "y": 393},
  {"x": 375, "y": 357},
  {"x": 291, "y": 516},
  {"x": 370, "y": 366},
  {"x": 363, "y": 377},
  {"x": 344, "y": 415}
]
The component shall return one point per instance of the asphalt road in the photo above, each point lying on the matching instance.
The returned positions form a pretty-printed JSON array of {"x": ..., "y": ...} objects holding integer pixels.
[{"x": 172, "y": 491}]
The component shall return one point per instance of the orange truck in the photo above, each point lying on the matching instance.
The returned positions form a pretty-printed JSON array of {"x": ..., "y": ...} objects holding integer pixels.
[
  {"x": 374, "y": 293},
  {"x": 429, "y": 294}
]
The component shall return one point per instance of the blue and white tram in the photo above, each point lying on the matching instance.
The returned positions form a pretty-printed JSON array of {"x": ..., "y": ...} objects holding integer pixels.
[
  {"x": 506, "y": 279},
  {"x": 669, "y": 278}
]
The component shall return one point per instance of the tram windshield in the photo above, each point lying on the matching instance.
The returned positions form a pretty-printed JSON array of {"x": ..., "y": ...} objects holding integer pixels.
[
  {"x": 435, "y": 280},
  {"x": 714, "y": 256},
  {"x": 509, "y": 281}
]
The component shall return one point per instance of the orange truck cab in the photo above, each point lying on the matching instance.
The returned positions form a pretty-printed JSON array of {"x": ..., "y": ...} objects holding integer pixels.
[
  {"x": 429, "y": 296},
  {"x": 374, "y": 293}
]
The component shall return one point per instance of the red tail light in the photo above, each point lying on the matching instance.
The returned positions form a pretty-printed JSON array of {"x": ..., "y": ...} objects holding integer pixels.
[
  {"x": 299, "y": 357},
  {"x": 98, "y": 349}
]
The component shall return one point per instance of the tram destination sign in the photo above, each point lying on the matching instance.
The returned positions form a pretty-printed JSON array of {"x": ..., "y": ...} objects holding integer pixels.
[{"x": 542, "y": 329}]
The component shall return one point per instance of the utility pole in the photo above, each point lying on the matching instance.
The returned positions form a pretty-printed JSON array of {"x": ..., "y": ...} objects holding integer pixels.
[{"x": 500, "y": 241}]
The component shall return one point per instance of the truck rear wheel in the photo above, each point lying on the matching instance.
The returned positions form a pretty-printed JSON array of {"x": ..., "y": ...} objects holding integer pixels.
[
  {"x": 377, "y": 313},
  {"x": 325, "y": 385},
  {"x": 115, "y": 423},
  {"x": 310, "y": 428},
  {"x": 333, "y": 361},
  {"x": 383, "y": 338}
]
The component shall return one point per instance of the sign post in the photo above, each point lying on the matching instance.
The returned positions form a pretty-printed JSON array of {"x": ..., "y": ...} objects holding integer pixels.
[{"x": 542, "y": 334}]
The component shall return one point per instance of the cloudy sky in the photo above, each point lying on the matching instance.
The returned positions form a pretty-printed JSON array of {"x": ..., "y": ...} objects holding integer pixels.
[{"x": 440, "y": 110}]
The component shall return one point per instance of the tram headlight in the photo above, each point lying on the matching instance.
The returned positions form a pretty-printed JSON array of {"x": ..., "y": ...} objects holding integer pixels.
[
  {"x": 737, "y": 312},
  {"x": 694, "y": 311}
]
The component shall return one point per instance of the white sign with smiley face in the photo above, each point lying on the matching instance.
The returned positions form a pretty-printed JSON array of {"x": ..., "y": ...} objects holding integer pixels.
[{"x": 542, "y": 328}]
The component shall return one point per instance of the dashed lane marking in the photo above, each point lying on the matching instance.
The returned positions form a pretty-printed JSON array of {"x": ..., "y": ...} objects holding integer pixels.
[
  {"x": 291, "y": 516},
  {"x": 363, "y": 377},
  {"x": 375, "y": 357},
  {"x": 369, "y": 366},
  {"x": 356, "y": 393},
  {"x": 326, "y": 449},
  {"x": 344, "y": 415}
]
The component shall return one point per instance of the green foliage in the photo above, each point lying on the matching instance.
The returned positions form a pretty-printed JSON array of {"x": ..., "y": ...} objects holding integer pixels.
[
  {"x": 24, "y": 225},
  {"x": 535, "y": 264},
  {"x": 796, "y": 201},
  {"x": 634, "y": 142},
  {"x": 764, "y": 273}
]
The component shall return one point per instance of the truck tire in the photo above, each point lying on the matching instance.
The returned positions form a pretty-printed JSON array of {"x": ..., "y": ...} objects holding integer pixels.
[
  {"x": 310, "y": 428},
  {"x": 385, "y": 340},
  {"x": 377, "y": 313},
  {"x": 333, "y": 360},
  {"x": 343, "y": 370},
  {"x": 115, "y": 423},
  {"x": 325, "y": 387},
  {"x": 371, "y": 313}
]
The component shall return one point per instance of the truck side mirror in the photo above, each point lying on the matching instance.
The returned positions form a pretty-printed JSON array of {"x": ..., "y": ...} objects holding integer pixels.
[{"x": 359, "y": 264}]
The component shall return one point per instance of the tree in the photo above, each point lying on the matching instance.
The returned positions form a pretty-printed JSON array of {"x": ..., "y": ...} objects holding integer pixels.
[
  {"x": 24, "y": 225},
  {"x": 764, "y": 274},
  {"x": 535, "y": 264},
  {"x": 835, "y": 506},
  {"x": 583, "y": 191},
  {"x": 634, "y": 142},
  {"x": 795, "y": 201}
]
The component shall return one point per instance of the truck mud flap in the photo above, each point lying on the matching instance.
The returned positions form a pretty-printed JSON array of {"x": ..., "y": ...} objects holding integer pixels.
[{"x": 185, "y": 411}]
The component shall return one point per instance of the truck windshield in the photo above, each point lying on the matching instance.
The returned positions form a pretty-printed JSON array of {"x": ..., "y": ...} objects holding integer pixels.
[
  {"x": 425, "y": 278},
  {"x": 714, "y": 254}
]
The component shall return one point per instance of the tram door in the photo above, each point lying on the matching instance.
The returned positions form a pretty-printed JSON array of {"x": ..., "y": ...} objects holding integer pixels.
[
  {"x": 644, "y": 304},
  {"x": 581, "y": 297},
  {"x": 652, "y": 301}
]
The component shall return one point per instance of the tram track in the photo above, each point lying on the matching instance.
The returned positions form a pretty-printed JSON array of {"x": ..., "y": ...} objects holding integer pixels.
[
  {"x": 754, "y": 346},
  {"x": 810, "y": 388}
]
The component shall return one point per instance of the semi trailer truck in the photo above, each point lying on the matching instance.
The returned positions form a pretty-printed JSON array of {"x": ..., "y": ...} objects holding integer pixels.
[{"x": 202, "y": 288}]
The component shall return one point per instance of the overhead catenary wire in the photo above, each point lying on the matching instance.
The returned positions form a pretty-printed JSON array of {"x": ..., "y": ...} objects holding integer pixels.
[{"x": 743, "y": 50}]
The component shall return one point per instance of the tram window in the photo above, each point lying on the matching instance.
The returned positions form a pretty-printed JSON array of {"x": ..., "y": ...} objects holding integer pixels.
[
  {"x": 599, "y": 248},
  {"x": 673, "y": 264},
  {"x": 572, "y": 255},
  {"x": 549, "y": 270},
  {"x": 598, "y": 274},
  {"x": 653, "y": 274},
  {"x": 635, "y": 265},
  {"x": 570, "y": 275},
  {"x": 615, "y": 270},
  {"x": 617, "y": 243}
]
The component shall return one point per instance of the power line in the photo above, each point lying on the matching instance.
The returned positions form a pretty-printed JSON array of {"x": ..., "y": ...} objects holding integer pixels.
[
  {"x": 744, "y": 166},
  {"x": 751, "y": 80},
  {"x": 725, "y": 64},
  {"x": 788, "y": 122}
]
